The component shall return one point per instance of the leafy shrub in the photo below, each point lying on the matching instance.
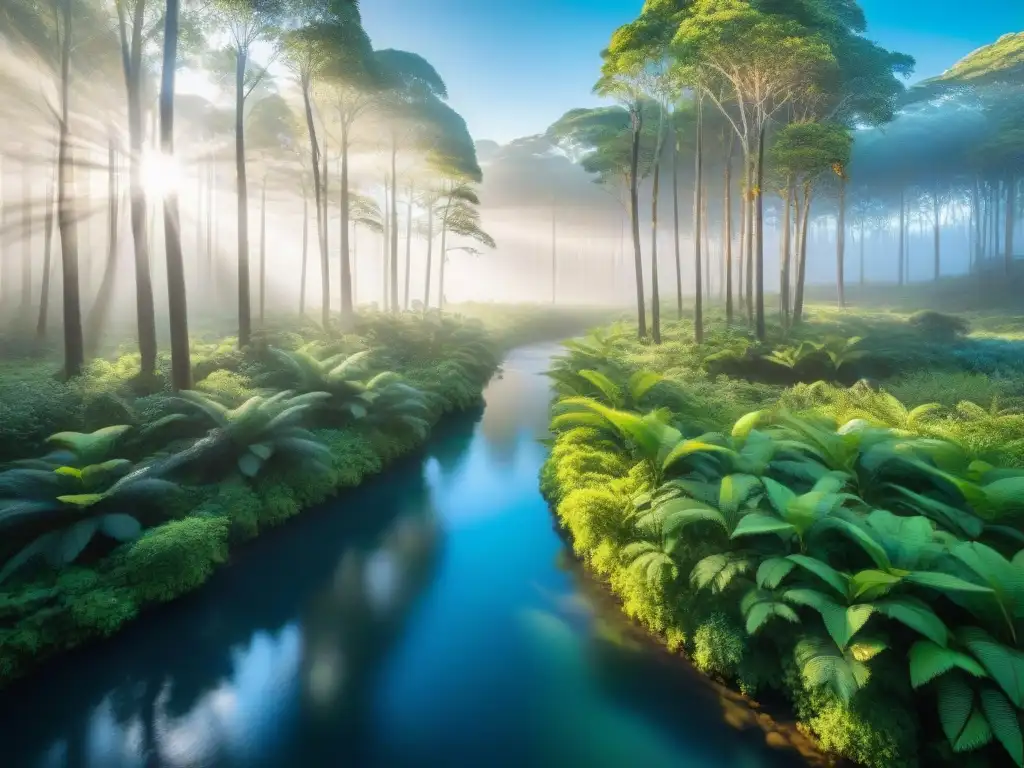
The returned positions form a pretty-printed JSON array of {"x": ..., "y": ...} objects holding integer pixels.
[
  {"x": 173, "y": 559},
  {"x": 938, "y": 326},
  {"x": 718, "y": 646}
]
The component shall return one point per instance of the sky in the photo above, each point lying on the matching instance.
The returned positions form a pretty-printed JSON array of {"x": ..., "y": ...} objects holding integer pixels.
[{"x": 513, "y": 67}]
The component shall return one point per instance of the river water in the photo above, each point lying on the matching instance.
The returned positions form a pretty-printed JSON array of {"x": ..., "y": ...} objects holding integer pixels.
[{"x": 428, "y": 618}]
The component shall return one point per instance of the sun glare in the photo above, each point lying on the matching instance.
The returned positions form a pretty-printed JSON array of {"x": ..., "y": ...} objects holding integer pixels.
[{"x": 160, "y": 173}]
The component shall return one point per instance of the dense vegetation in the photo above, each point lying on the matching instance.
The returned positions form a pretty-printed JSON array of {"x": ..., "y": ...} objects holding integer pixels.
[
  {"x": 853, "y": 549},
  {"x": 111, "y": 501}
]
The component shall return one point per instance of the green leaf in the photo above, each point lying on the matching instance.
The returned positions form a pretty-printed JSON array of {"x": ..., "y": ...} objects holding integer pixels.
[
  {"x": 929, "y": 660},
  {"x": 99, "y": 474},
  {"x": 779, "y": 495},
  {"x": 858, "y": 536},
  {"x": 1004, "y": 722},
  {"x": 956, "y": 701},
  {"x": 842, "y": 622},
  {"x": 679, "y": 514},
  {"x": 772, "y": 571},
  {"x": 718, "y": 571},
  {"x": 840, "y": 582},
  {"x": 755, "y": 524},
  {"x": 81, "y": 500},
  {"x": 944, "y": 582},
  {"x": 74, "y": 539},
  {"x": 69, "y": 472},
  {"x": 822, "y": 664},
  {"x": 735, "y": 490},
  {"x": 761, "y": 612},
  {"x": 1005, "y": 665},
  {"x": 975, "y": 735},
  {"x": 916, "y": 615},
  {"x": 262, "y": 450},
  {"x": 249, "y": 464},
  {"x": 743, "y": 426},
  {"x": 872, "y": 584},
  {"x": 120, "y": 526},
  {"x": 641, "y": 382}
]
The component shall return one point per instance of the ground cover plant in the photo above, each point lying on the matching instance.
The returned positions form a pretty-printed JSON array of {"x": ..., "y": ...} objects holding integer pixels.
[
  {"x": 111, "y": 500},
  {"x": 854, "y": 549}
]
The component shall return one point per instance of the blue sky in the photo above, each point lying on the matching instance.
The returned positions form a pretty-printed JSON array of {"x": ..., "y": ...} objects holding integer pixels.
[{"x": 514, "y": 66}]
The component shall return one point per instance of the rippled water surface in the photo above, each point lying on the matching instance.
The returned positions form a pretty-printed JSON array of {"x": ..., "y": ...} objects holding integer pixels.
[{"x": 424, "y": 619}]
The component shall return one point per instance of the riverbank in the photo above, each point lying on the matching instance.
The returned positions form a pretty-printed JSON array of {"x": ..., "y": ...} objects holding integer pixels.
[
  {"x": 202, "y": 479},
  {"x": 689, "y": 509}
]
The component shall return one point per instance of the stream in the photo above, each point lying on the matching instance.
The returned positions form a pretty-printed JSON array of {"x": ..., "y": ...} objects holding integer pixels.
[{"x": 428, "y": 618}]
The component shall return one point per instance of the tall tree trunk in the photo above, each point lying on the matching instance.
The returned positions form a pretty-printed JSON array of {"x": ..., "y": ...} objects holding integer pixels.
[
  {"x": 727, "y": 235},
  {"x": 385, "y": 239},
  {"x": 698, "y": 226},
  {"x": 177, "y": 300},
  {"x": 345, "y": 269},
  {"x": 408, "y": 249},
  {"x": 314, "y": 149},
  {"x": 26, "y": 240},
  {"x": 675, "y": 222},
  {"x": 707, "y": 241},
  {"x": 751, "y": 226},
  {"x": 74, "y": 348},
  {"x": 430, "y": 252},
  {"x": 1011, "y": 215},
  {"x": 210, "y": 213},
  {"x": 655, "y": 298},
  {"x": 242, "y": 183},
  {"x": 44, "y": 290},
  {"x": 976, "y": 225},
  {"x": 742, "y": 261},
  {"x": 903, "y": 236},
  {"x": 355, "y": 266},
  {"x": 801, "y": 271},
  {"x": 394, "y": 227},
  {"x": 100, "y": 310},
  {"x": 787, "y": 250},
  {"x": 634, "y": 209},
  {"x": 305, "y": 250},
  {"x": 443, "y": 259},
  {"x": 862, "y": 236},
  {"x": 554, "y": 251},
  {"x": 145, "y": 310},
  {"x": 936, "y": 228},
  {"x": 841, "y": 244},
  {"x": 325, "y": 283},
  {"x": 263, "y": 252},
  {"x": 759, "y": 298}
]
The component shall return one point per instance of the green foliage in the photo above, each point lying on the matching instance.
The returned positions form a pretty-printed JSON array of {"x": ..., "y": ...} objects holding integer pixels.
[
  {"x": 938, "y": 326},
  {"x": 871, "y": 543}
]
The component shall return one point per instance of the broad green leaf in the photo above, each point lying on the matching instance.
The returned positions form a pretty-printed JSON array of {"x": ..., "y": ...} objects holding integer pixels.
[
  {"x": 917, "y": 615},
  {"x": 842, "y": 622},
  {"x": 772, "y": 571},
  {"x": 755, "y": 524},
  {"x": 761, "y": 612},
  {"x": 735, "y": 490},
  {"x": 823, "y": 664},
  {"x": 779, "y": 495},
  {"x": 120, "y": 526},
  {"x": 82, "y": 500},
  {"x": 944, "y": 582},
  {"x": 43, "y": 545},
  {"x": 743, "y": 426},
  {"x": 678, "y": 514},
  {"x": 956, "y": 701},
  {"x": 858, "y": 536},
  {"x": 929, "y": 660},
  {"x": 840, "y": 582},
  {"x": 74, "y": 539},
  {"x": 1004, "y": 722},
  {"x": 262, "y": 450},
  {"x": 1005, "y": 665},
  {"x": 69, "y": 472},
  {"x": 976, "y": 734},
  {"x": 249, "y": 464},
  {"x": 872, "y": 584},
  {"x": 718, "y": 571}
]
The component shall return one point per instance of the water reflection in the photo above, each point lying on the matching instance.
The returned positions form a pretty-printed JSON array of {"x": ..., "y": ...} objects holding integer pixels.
[{"x": 423, "y": 620}]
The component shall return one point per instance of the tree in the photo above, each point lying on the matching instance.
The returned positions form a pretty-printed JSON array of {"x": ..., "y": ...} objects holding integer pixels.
[
  {"x": 763, "y": 61},
  {"x": 246, "y": 23},
  {"x": 177, "y": 302},
  {"x": 410, "y": 103}
]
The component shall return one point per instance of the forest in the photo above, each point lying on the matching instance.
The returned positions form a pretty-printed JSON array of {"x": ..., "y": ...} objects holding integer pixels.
[{"x": 737, "y": 345}]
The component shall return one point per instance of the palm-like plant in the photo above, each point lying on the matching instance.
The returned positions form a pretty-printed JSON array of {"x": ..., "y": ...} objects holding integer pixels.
[
  {"x": 56, "y": 513},
  {"x": 260, "y": 429}
]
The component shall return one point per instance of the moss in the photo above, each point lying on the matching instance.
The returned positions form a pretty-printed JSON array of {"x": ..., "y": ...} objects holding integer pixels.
[
  {"x": 278, "y": 503},
  {"x": 173, "y": 559},
  {"x": 718, "y": 646},
  {"x": 238, "y": 503},
  {"x": 103, "y": 611}
]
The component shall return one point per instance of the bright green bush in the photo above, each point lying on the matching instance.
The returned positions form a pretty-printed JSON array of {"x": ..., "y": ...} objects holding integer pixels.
[
  {"x": 873, "y": 543},
  {"x": 173, "y": 559},
  {"x": 718, "y": 646}
]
